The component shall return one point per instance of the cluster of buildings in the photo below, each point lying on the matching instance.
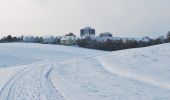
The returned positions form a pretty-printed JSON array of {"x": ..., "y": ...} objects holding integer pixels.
[
  {"x": 70, "y": 39},
  {"x": 103, "y": 37},
  {"x": 88, "y": 31}
]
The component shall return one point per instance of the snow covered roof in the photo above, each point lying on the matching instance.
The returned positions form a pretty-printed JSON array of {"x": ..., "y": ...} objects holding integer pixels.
[
  {"x": 106, "y": 34},
  {"x": 68, "y": 37},
  {"x": 88, "y": 27}
]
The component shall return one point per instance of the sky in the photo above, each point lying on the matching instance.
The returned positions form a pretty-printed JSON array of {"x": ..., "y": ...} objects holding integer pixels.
[{"x": 59, "y": 17}]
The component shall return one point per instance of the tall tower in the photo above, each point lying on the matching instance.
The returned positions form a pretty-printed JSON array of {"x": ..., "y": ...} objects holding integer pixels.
[{"x": 87, "y": 31}]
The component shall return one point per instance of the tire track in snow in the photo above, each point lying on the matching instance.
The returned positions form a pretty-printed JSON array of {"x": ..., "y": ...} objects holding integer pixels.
[
  {"x": 28, "y": 86},
  {"x": 16, "y": 87},
  {"x": 47, "y": 86},
  {"x": 5, "y": 92}
]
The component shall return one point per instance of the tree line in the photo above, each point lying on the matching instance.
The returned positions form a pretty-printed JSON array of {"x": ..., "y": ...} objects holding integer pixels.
[
  {"x": 89, "y": 42},
  {"x": 119, "y": 44},
  {"x": 9, "y": 38}
]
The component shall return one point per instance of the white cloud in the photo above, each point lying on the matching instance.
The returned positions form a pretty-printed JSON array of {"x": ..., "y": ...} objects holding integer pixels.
[{"x": 62, "y": 16}]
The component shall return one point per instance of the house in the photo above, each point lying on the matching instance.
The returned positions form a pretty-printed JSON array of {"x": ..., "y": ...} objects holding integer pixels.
[
  {"x": 145, "y": 39},
  {"x": 28, "y": 39},
  {"x": 31, "y": 39},
  {"x": 51, "y": 40},
  {"x": 68, "y": 39},
  {"x": 105, "y": 34},
  {"x": 126, "y": 40},
  {"x": 161, "y": 39}
]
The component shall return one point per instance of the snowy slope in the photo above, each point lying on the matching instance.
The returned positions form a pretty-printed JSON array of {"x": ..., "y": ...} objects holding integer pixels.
[
  {"x": 25, "y": 69},
  {"x": 52, "y": 72},
  {"x": 7, "y": 73},
  {"x": 150, "y": 65},
  {"x": 21, "y": 53},
  {"x": 134, "y": 74}
]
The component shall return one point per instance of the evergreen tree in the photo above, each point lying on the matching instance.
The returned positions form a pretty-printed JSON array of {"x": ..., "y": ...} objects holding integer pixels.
[
  {"x": 9, "y": 38},
  {"x": 168, "y": 37}
]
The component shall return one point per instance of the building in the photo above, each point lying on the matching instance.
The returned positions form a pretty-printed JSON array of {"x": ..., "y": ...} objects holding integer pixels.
[
  {"x": 145, "y": 39},
  {"x": 51, "y": 40},
  {"x": 70, "y": 34},
  {"x": 105, "y": 34},
  {"x": 161, "y": 39},
  {"x": 126, "y": 40},
  {"x": 87, "y": 31},
  {"x": 68, "y": 39}
]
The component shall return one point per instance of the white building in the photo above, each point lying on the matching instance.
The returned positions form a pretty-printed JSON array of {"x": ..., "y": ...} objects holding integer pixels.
[{"x": 68, "y": 40}]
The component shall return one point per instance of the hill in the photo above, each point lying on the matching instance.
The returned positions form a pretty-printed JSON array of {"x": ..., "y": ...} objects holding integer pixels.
[{"x": 52, "y": 72}]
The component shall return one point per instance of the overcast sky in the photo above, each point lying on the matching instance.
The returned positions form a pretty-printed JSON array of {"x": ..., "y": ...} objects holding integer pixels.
[{"x": 62, "y": 16}]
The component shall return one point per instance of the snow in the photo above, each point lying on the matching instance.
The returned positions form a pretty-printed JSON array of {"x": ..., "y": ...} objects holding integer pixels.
[
  {"x": 54, "y": 72},
  {"x": 68, "y": 38},
  {"x": 7, "y": 73},
  {"x": 153, "y": 70},
  {"x": 38, "y": 52}
]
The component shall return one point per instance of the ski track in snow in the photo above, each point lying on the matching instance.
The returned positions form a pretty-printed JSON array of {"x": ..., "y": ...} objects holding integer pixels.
[
  {"x": 47, "y": 87},
  {"x": 4, "y": 93},
  {"x": 31, "y": 83}
]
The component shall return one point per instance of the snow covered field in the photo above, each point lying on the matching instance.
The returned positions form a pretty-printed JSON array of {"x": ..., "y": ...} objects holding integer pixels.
[{"x": 52, "y": 72}]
